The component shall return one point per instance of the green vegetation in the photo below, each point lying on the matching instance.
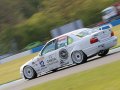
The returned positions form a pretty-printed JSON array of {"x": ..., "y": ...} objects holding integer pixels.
[
  {"x": 101, "y": 78},
  {"x": 25, "y": 21},
  {"x": 10, "y": 71}
]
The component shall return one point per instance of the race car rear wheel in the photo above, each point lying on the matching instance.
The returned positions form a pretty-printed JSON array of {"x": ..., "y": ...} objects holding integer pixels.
[
  {"x": 78, "y": 57},
  {"x": 103, "y": 53},
  {"x": 29, "y": 72}
]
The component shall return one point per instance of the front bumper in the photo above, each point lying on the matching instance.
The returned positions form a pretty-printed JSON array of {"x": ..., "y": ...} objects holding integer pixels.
[{"x": 21, "y": 72}]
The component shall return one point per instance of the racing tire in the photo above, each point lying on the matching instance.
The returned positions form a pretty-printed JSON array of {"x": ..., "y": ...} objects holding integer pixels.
[
  {"x": 79, "y": 57},
  {"x": 29, "y": 73},
  {"x": 103, "y": 53}
]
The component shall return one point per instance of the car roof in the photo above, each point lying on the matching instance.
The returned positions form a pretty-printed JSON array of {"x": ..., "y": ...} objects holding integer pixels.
[{"x": 72, "y": 32}]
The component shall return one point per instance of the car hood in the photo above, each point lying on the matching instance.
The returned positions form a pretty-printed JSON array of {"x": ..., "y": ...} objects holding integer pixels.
[{"x": 28, "y": 63}]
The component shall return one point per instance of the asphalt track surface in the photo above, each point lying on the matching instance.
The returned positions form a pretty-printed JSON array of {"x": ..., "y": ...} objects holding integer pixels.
[{"x": 114, "y": 55}]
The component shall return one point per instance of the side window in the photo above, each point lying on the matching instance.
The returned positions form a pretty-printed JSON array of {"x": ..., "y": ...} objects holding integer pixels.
[
  {"x": 62, "y": 41},
  {"x": 49, "y": 47},
  {"x": 70, "y": 40}
]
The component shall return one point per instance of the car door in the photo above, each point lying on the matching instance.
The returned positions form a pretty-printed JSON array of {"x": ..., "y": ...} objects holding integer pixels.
[
  {"x": 50, "y": 56},
  {"x": 63, "y": 48}
]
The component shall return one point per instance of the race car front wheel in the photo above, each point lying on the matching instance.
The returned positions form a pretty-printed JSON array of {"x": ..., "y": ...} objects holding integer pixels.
[
  {"x": 78, "y": 57},
  {"x": 29, "y": 72}
]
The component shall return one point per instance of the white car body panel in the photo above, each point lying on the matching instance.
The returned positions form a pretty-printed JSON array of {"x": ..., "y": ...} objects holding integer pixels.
[{"x": 52, "y": 60}]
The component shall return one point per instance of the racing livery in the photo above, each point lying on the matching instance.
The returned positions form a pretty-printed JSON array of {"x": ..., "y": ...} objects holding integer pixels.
[{"x": 72, "y": 48}]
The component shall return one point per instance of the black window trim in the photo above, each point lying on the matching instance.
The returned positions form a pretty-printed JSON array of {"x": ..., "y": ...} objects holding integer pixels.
[
  {"x": 57, "y": 41},
  {"x": 47, "y": 44}
]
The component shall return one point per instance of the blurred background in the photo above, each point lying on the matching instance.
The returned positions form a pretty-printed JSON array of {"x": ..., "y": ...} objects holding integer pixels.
[{"x": 25, "y": 24}]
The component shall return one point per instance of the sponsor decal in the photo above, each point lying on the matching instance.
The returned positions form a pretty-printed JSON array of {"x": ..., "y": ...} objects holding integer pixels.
[
  {"x": 33, "y": 63},
  {"x": 63, "y": 62},
  {"x": 52, "y": 60},
  {"x": 63, "y": 54},
  {"x": 42, "y": 63},
  {"x": 62, "y": 38},
  {"x": 40, "y": 59}
]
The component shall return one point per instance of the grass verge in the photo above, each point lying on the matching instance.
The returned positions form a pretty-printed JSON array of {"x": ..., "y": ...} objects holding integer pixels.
[
  {"x": 105, "y": 77},
  {"x": 10, "y": 71}
]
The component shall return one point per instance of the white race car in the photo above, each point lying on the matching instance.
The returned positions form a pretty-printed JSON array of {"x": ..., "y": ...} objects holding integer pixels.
[{"x": 72, "y": 48}]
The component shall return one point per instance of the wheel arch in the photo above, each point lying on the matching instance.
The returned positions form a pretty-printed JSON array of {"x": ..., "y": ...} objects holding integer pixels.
[
  {"x": 32, "y": 68},
  {"x": 78, "y": 50}
]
